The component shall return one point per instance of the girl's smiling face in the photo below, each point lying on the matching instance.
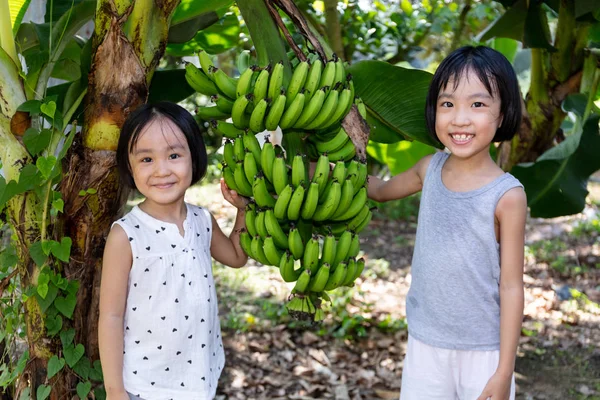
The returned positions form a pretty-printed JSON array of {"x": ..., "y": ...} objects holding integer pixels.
[
  {"x": 467, "y": 116},
  {"x": 161, "y": 163}
]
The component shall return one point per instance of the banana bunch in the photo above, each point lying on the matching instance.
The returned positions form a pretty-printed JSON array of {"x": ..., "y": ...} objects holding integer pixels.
[{"x": 306, "y": 226}]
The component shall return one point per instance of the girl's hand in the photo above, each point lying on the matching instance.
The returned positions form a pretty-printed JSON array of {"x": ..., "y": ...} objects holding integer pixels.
[
  {"x": 233, "y": 197},
  {"x": 497, "y": 388}
]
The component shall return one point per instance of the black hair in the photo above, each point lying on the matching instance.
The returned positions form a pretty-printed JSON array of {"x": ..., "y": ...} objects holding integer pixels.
[
  {"x": 144, "y": 115},
  {"x": 496, "y": 74}
]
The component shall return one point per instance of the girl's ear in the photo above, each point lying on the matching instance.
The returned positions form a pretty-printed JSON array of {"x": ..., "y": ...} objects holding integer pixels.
[{"x": 500, "y": 121}]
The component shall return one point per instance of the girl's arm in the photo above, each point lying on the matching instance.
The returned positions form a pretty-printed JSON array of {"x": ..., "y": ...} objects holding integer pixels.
[
  {"x": 227, "y": 250},
  {"x": 511, "y": 213},
  {"x": 400, "y": 186},
  {"x": 116, "y": 265}
]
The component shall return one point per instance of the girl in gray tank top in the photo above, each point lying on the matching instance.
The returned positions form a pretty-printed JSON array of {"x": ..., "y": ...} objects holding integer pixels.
[{"x": 465, "y": 304}]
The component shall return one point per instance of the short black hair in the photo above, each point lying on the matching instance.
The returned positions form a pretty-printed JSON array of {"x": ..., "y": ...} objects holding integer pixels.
[
  {"x": 494, "y": 71},
  {"x": 144, "y": 115}
]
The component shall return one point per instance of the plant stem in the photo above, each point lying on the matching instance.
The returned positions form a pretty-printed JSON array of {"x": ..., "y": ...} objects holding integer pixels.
[
  {"x": 6, "y": 36},
  {"x": 275, "y": 14}
]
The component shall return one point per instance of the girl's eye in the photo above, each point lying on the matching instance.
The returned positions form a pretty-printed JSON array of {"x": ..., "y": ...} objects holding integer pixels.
[
  {"x": 174, "y": 156},
  {"x": 446, "y": 104},
  {"x": 146, "y": 159},
  {"x": 478, "y": 104}
]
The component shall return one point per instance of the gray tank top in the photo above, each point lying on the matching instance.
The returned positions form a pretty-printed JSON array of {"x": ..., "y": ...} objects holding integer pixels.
[{"x": 454, "y": 300}]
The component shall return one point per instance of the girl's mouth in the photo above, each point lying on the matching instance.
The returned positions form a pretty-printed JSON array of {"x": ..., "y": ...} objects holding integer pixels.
[{"x": 461, "y": 138}]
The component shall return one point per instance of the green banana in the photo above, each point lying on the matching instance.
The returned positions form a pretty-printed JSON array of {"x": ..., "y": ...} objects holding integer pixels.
[
  {"x": 346, "y": 197},
  {"x": 250, "y": 168},
  {"x": 244, "y": 84},
  {"x": 321, "y": 174},
  {"x": 360, "y": 266},
  {"x": 267, "y": 158},
  {"x": 358, "y": 202},
  {"x": 299, "y": 172},
  {"x": 206, "y": 63},
  {"x": 295, "y": 243},
  {"x": 337, "y": 277},
  {"x": 262, "y": 84},
  {"x": 310, "y": 203},
  {"x": 310, "y": 259},
  {"x": 354, "y": 246},
  {"x": 327, "y": 110},
  {"x": 226, "y": 129},
  {"x": 246, "y": 243},
  {"x": 280, "y": 174},
  {"x": 244, "y": 187},
  {"x": 223, "y": 103},
  {"x": 226, "y": 84},
  {"x": 198, "y": 80},
  {"x": 352, "y": 173},
  {"x": 238, "y": 112},
  {"x": 329, "y": 249},
  {"x": 286, "y": 268},
  {"x": 258, "y": 250},
  {"x": 354, "y": 222},
  {"x": 297, "y": 82},
  {"x": 318, "y": 282},
  {"x": 362, "y": 108},
  {"x": 281, "y": 205},
  {"x": 349, "y": 278},
  {"x": 330, "y": 204},
  {"x": 340, "y": 109},
  {"x": 319, "y": 315},
  {"x": 339, "y": 70},
  {"x": 229, "y": 178},
  {"x": 345, "y": 153},
  {"x": 272, "y": 253},
  {"x": 251, "y": 144},
  {"x": 228, "y": 155},
  {"x": 261, "y": 194},
  {"x": 328, "y": 75},
  {"x": 250, "y": 218},
  {"x": 312, "y": 80},
  {"x": 342, "y": 247},
  {"x": 275, "y": 230},
  {"x": 257, "y": 118},
  {"x": 339, "y": 171},
  {"x": 295, "y": 205},
  {"x": 311, "y": 110},
  {"x": 208, "y": 113},
  {"x": 275, "y": 81},
  {"x": 334, "y": 144},
  {"x": 363, "y": 224},
  {"x": 259, "y": 223},
  {"x": 302, "y": 282},
  {"x": 239, "y": 152},
  {"x": 275, "y": 112},
  {"x": 362, "y": 175},
  {"x": 293, "y": 112}
]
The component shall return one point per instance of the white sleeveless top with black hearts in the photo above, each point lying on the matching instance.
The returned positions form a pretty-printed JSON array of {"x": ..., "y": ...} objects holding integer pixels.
[{"x": 172, "y": 343}]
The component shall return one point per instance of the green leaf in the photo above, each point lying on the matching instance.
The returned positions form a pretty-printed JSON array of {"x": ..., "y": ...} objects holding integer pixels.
[
  {"x": 169, "y": 85},
  {"x": 8, "y": 258},
  {"x": 400, "y": 156},
  {"x": 380, "y": 132},
  {"x": 17, "y": 10},
  {"x": 66, "y": 337},
  {"x": 53, "y": 325},
  {"x": 96, "y": 372},
  {"x": 190, "y": 9},
  {"x": 83, "y": 368},
  {"x": 46, "y": 165},
  {"x": 58, "y": 205},
  {"x": 185, "y": 31},
  {"x": 57, "y": 8},
  {"x": 66, "y": 305},
  {"x": 508, "y": 47},
  {"x": 46, "y": 302},
  {"x": 42, "y": 284},
  {"x": 537, "y": 31},
  {"x": 100, "y": 393},
  {"x": 30, "y": 106},
  {"x": 575, "y": 103},
  {"x": 73, "y": 354},
  {"x": 55, "y": 365},
  {"x": 48, "y": 109},
  {"x": 556, "y": 184},
  {"x": 83, "y": 389},
  {"x": 25, "y": 394},
  {"x": 67, "y": 67},
  {"x": 37, "y": 253},
  {"x": 216, "y": 39},
  {"x": 43, "y": 392},
  {"x": 509, "y": 25},
  {"x": 91, "y": 191},
  {"x": 36, "y": 141},
  {"x": 395, "y": 95}
]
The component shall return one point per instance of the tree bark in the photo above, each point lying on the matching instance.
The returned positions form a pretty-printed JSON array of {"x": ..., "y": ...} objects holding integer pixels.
[{"x": 334, "y": 30}]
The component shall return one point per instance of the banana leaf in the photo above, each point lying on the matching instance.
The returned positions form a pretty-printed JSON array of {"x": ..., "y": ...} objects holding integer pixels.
[
  {"x": 556, "y": 184},
  {"x": 190, "y": 9},
  {"x": 217, "y": 38},
  {"x": 399, "y": 156},
  {"x": 169, "y": 85},
  {"x": 395, "y": 96},
  {"x": 17, "y": 11}
]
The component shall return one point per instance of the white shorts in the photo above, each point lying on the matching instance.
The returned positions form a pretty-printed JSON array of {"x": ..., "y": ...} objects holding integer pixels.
[{"x": 432, "y": 373}]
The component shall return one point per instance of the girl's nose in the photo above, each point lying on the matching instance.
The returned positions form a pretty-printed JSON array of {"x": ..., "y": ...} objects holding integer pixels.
[
  {"x": 161, "y": 168},
  {"x": 461, "y": 117}
]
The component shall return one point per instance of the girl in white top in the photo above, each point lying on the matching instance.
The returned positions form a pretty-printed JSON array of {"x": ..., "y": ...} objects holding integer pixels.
[{"x": 159, "y": 329}]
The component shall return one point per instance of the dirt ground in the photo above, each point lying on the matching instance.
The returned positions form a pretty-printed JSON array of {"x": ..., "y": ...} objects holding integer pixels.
[{"x": 357, "y": 352}]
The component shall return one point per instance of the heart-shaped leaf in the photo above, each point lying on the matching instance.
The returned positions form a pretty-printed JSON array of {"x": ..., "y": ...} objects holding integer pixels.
[
  {"x": 53, "y": 325},
  {"x": 43, "y": 392},
  {"x": 48, "y": 109},
  {"x": 37, "y": 253},
  {"x": 395, "y": 96},
  {"x": 83, "y": 368},
  {"x": 66, "y": 305},
  {"x": 96, "y": 372},
  {"x": 46, "y": 302},
  {"x": 55, "y": 365},
  {"x": 62, "y": 251},
  {"x": 45, "y": 165},
  {"x": 83, "y": 389},
  {"x": 66, "y": 337},
  {"x": 30, "y": 106},
  {"x": 73, "y": 354},
  {"x": 25, "y": 394},
  {"x": 36, "y": 141}
]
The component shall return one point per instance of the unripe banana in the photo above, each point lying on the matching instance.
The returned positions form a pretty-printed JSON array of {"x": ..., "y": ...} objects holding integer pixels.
[
  {"x": 286, "y": 268},
  {"x": 295, "y": 205},
  {"x": 206, "y": 63},
  {"x": 280, "y": 174},
  {"x": 340, "y": 109},
  {"x": 338, "y": 141},
  {"x": 244, "y": 84},
  {"x": 352, "y": 173},
  {"x": 299, "y": 171},
  {"x": 267, "y": 158},
  {"x": 274, "y": 229},
  {"x": 329, "y": 249},
  {"x": 337, "y": 276},
  {"x": 261, "y": 194},
  {"x": 339, "y": 172},
  {"x": 226, "y": 129},
  {"x": 328, "y": 75},
  {"x": 258, "y": 250},
  {"x": 346, "y": 153},
  {"x": 208, "y": 113},
  {"x": 302, "y": 282},
  {"x": 272, "y": 253},
  {"x": 357, "y": 204},
  {"x": 281, "y": 205},
  {"x": 226, "y": 84},
  {"x": 250, "y": 219},
  {"x": 310, "y": 259},
  {"x": 342, "y": 247},
  {"x": 339, "y": 70},
  {"x": 259, "y": 223},
  {"x": 354, "y": 246},
  {"x": 326, "y": 111},
  {"x": 257, "y": 119},
  {"x": 349, "y": 278},
  {"x": 244, "y": 187},
  {"x": 295, "y": 243},
  {"x": 311, "y": 110},
  {"x": 354, "y": 222},
  {"x": 250, "y": 168},
  {"x": 363, "y": 224},
  {"x": 297, "y": 82},
  {"x": 239, "y": 152},
  {"x": 275, "y": 81},
  {"x": 238, "y": 112},
  {"x": 251, "y": 144},
  {"x": 362, "y": 108},
  {"x": 293, "y": 112},
  {"x": 330, "y": 204},
  {"x": 229, "y": 178},
  {"x": 246, "y": 243},
  {"x": 312, "y": 80},
  {"x": 262, "y": 85},
  {"x": 223, "y": 103},
  {"x": 319, "y": 315},
  {"x": 318, "y": 282},
  {"x": 275, "y": 112},
  {"x": 311, "y": 201},
  {"x": 360, "y": 266},
  {"x": 362, "y": 175},
  {"x": 199, "y": 81},
  {"x": 346, "y": 197}
]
